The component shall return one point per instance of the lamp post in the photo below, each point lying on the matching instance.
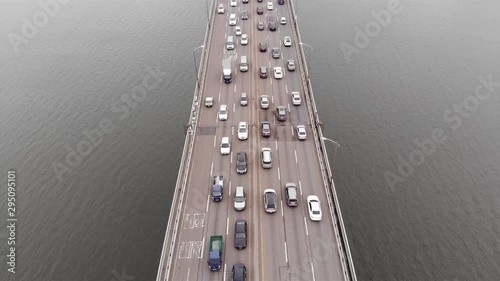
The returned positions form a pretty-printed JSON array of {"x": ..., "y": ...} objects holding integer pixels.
[
  {"x": 337, "y": 145},
  {"x": 196, "y": 72},
  {"x": 309, "y": 56},
  {"x": 208, "y": 17}
]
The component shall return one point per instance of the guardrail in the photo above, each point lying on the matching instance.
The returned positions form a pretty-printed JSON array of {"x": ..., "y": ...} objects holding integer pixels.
[
  {"x": 177, "y": 201},
  {"x": 333, "y": 202}
]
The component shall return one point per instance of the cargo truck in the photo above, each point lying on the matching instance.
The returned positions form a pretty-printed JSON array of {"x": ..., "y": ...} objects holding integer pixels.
[
  {"x": 226, "y": 70},
  {"x": 215, "y": 253}
]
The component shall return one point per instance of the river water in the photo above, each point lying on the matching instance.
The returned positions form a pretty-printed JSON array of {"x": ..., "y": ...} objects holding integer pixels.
[{"x": 412, "y": 84}]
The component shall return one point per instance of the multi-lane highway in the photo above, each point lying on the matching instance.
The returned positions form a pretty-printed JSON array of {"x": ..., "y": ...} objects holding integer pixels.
[{"x": 287, "y": 244}]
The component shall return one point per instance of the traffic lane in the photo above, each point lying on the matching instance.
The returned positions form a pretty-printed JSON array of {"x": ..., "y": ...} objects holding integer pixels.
[{"x": 194, "y": 219}]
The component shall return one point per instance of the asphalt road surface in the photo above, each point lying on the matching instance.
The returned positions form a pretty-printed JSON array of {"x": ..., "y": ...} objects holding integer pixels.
[{"x": 285, "y": 245}]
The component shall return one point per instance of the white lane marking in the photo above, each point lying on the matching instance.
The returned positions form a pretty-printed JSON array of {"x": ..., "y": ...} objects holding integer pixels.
[
  {"x": 215, "y": 140},
  {"x": 291, "y": 129},
  {"x": 279, "y": 177},
  {"x": 271, "y": 81},
  {"x": 305, "y": 223},
  {"x": 232, "y": 131},
  {"x": 282, "y": 214},
  {"x": 286, "y": 254},
  {"x": 288, "y": 107},
  {"x": 191, "y": 250},
  {"x": 234, "y": 107},
  {"x": 286, "y": 89},
  {"x": 227, "y": 227},
  {"x": 212, "y": 169},
  {"x": 295, "y": 151},
  {"x": 235, "y": 86},
  {"x": 189, "y": 269},
  {"x": 312, "y": 267},
  {"x": 194, "y": 220},
  {"x": 231, "y": 157},
  {"x": 224, "y": 271},
  {"x": 229, "y": 188},
  {"x": 219, "y": 96},
  {"x": 300, "y": 187},
  {"x": 208, "y": 202},
  {"x": 202, "y": 246},
  {"x": 276, "y": 141},
  {"x": 272, "y": 98}
]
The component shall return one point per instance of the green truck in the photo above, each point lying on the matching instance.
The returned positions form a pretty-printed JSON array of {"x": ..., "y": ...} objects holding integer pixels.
[{"x": 215, "y": 253}]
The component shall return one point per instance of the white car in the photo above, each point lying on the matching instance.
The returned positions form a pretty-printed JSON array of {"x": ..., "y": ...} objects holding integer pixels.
[
  {"x": 301, "y": 132},
  {"x": 314, "y": 207},
  {"x": 270, "y": 5},
  {"x": 223, "y": 112},
  {"x": 264, "y": 102},
  {"x": 283, "y": 20},
  {"x": 243, "y": 131},
  {"x": 220, "y": 9},
  {"x": 237, "y": 31},
  {"x": 244, "y": 39},
  {"x": 233, "y": 3},
  {"x": 225, "y": 146},
  {"x": 278, "y": 72},
  {"x": 296, "y": 98},
  {"x": 232, "y": 19},
  {"x": 287, "y": 41}
]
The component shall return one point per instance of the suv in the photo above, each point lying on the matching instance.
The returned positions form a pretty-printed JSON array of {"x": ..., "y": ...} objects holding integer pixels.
[
  {"x": 291, "y": 194},
  {"x": 281, "y": 113},
  {"x": 263, "y": 46},
  {"x": 241, "y": 162},
  {"x": 265, "y": 129},
  {"x": 239, "y": 272},
  {"x": 290, "y": 65},
  {"x": 263, "y": 72},
  {"x": 270, "y": 201},
  {"x": 244, "y": 14},
  {"x": 240, "y": 234},
  {"x": 276, "y": 53}
]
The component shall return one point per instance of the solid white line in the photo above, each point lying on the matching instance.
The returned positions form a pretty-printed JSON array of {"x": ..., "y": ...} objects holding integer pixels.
[
  {"x": 279, "y": 177},
  {"x": 312, "y": 267},
  {"x": 286, "y": 254},
  {"x": 224, "y": 271},
  {"x": 215, "y": 139},
  {"x": 307, "y": 230},
  {"x": 202, "y": 246},
  {"x": 295, "y": 151},
  {"x": 212, "y": 169},
  {"x": 227, "y": 226},
  {"x": 189, "y": 269},
  {"x": 208, "y": 202}
]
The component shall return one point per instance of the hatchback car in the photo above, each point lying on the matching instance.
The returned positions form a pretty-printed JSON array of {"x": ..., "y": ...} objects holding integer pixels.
[
  {"x": 223, "y": 112},
  {"x": 281, "y": 113},
  {"x": 260, "y": 10},
  {"x": 296, "y": 98},
  {"x": 244, "y": 39},
  {"x": 272, "y": 26},
  {"x": 314, "y": 207},
  {"x": 276, "y": 53},
  {"x": 263, "y": 72},
  {"x": 220, "y": 9},
  {"x": 240, "y": 234},
  {"x": 244, "y": 15},
  {"x": 290, "y": 65},
  {"x": 243, "y": 131},
  {"x": 263, "y": 46},
  {"x": 270, "y": 5},
  {"x": 241, "y": 162},
  {"x": 264, "y": 102},
  {"x": 283, "y": 20},
  {"x": 265, "y": 129},
  {"x": 239, "y": 272},
  {"x": 301, "y": 132},
  {"x": 287, "y": 41},
  {"x": 270, "y": 200},
  {"x": 278, "y": 72},
  {"x": 261, "y": 25},
  {"x": 233, "y": 3},
  {"x": 232, "y": 19},
  {"x": 237, "y": 31},
  {"x": 225, "y": 146}
]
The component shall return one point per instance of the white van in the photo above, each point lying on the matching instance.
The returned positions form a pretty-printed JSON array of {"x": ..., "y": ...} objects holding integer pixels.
[
  {"x": 266, "y": 157},
  {"x": 243, "y": 64},
  {"x": 239, "y": 199}
]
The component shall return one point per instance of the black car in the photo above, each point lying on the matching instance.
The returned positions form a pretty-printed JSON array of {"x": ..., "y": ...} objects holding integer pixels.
[
  {"x": 281, "y": 113},
  {"x": 290, "y": 65},
  {"x": 244, "y": 1},
  {"x": 261, "y": 25},
  {"x": 265, "y": 129},
  {"x": 240, "y": 234},
  {"x": 263, "y": 72},
  {"x": 272, "y": 26},
  {"x": 241, "y": 162},
  {"x": 263, "y": 46},
  {"x": 276, "y": 53},
  {"x": 260, "y": 10},
  {"x": 239, "y": 272},
  {"x": 260, "y": 1},
  {"x": 281, "y": 2}
]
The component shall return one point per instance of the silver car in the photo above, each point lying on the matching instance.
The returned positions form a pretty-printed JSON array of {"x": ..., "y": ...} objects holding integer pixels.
[
  {"x": 223, "y": 112},
  {"x": 296, "y": 98},
  {"x": 264, "y": 102},
  {"x": 301, "y": 132}
]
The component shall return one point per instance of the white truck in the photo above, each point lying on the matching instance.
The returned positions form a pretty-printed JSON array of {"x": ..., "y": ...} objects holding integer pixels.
[{"x": 226, "y": 70}]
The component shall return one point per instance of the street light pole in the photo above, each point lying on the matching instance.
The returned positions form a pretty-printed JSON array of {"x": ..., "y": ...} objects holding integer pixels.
[
  {"x": 337, "y": 145},
  {"x": 309, "y": 56},
  {"x": 196, "y": 72}
]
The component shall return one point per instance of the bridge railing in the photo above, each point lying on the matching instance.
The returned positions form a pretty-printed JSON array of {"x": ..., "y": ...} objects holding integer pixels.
[
  {"x": 178, "y": 199},
  {"x": 333, "y": 202}
]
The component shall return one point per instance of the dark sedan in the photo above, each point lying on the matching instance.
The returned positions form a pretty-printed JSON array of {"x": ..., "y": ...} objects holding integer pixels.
[
  {"x": 272, "y": 26},
  {"x": 260, "y": 10},
  {"x": 263, "y": 46}
]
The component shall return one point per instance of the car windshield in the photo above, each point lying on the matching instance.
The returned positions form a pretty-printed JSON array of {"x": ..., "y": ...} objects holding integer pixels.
[
  {"x": 225, "y": 145},
  {"x": 316, "y": 212},
  {"x": 239, "y": 199}
]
